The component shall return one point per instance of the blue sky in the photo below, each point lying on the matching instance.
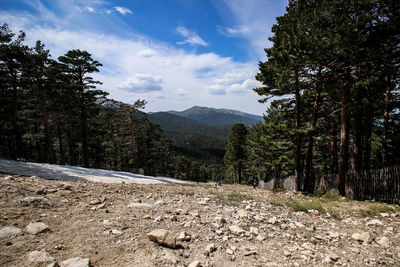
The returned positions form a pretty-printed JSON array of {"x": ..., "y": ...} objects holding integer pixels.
[{"x": 173, "y": 53}]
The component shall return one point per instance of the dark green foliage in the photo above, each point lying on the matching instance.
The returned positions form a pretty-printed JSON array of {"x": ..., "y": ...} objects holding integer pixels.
[
  {"x": 51, "y": 111},
  {"x": 235, "y": 155},
  {"x": 337, "y": 64}
]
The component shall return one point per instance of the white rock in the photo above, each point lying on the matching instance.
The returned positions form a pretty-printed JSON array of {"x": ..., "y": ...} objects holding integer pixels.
[
  {"x": 163, "y": 237},
  {"x": 10, "y": 231},
  {"x": 160, "y": 202},
  {"x": 333, "y": 235},
  {"x": 272, "y": 220},
  {"x": 36, "y": 228},
  {"x": 195, "y": 263},
  {"x": 254, "y": 230},
  {"x": 36, "y": 202},
  {"x": 229, "y": 251},
  {"x": 183, "y": 236},
  {"x": 39, "y": 257},
  {"x": 260, "y": 238},
  {"x": 158, "y": 219},
  {"x": 210, "y": 248},
  {"x": 116, "y": 232},
  {"x": 136, "y": 200},
  {"x": 178, "y": 211},
  {"x": 236, "y": 229},
  {"x": 9, "y": 178},
  {"x": 76, "y": 262},
  {"x": 107, "y": 222},
  {"x": 243, "y": 213},
  {"x": 363, "y": 237},
  {"x": 374, "y": 222},
  {"x": 142, "y": 205},
  {"x": 383, "y": 241}
]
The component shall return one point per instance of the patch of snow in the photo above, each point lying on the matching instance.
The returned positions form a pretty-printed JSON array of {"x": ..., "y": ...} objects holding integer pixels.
[{"x": 73, "y": 173}]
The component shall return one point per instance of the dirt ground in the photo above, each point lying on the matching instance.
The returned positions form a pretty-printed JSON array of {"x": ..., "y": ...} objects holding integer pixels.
[{"x": 228, "y": 225}]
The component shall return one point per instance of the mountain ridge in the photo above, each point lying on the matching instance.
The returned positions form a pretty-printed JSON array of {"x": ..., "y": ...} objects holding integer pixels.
[{"x": 214, "y": 116}]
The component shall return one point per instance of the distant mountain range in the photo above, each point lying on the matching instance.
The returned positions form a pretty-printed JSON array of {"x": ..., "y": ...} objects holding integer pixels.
[
  {"x": 213, "y": 116},
  {"x": 201, "y": 132}
]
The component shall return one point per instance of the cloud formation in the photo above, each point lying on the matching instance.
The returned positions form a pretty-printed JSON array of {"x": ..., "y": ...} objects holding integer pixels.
[
  {"x": 123, "y": 10},
  {"x": 142, "y": 83},
  {"x": 241, "y": 30},
  {"x": 136, "y": 66},
  {"x": 191, "y": 37}
]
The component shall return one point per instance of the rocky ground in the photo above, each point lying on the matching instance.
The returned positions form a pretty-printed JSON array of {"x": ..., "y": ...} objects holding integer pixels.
[{"x": 50, "y": 223}]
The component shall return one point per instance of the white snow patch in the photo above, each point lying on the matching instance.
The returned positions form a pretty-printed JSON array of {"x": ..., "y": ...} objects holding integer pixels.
[{"x": 73, "y": 173}]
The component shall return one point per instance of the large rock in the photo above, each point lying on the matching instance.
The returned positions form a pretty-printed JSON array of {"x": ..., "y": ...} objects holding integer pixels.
[
  {"x": 374, "y": 222},
  {"x": 76, "y": 262},
  {"x": 36, "y": 228},
  {"x": 195, "y": 264},
  {"x": 383, "y": 241},
  {"x": 35, "y": 202},
  {"x": 236, "y": 229},
  {"x": 163, "y": 237},
  {"x": 8, "y": 232},
  {"x": 363, "y": 237},
  {"x": 40, "y": 257},
  {"x": 243, "y": 213},
  {"x": 142, "y": 205}
]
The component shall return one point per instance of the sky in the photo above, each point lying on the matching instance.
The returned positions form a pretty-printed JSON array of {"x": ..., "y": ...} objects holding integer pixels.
[{"x": 175, "y": 54}]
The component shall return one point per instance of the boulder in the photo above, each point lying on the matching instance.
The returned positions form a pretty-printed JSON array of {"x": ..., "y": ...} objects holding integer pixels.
[
  {"x": 39, "y": 257},
  {"x": 195, "y": 263},
  {"x": 8, "y": 232},
  {"x": 383, "y": 241},
  {"x": 35, "y": 202},
  {"x": 236, "y": 230},
  {"x": 36, "y": 228},
  {"x": 363, "y": 237},
  {"x": 142, "y": 205},
  {"x": 76, "y": 262},
  {"x": 163, "y": 237},
  {"x": 374, "y": 222}
]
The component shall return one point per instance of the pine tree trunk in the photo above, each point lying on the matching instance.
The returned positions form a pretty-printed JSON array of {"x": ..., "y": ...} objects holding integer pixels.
[
  {"x": 357, "y": 131},
  {"x": 240, "y": 172},
  {"x": 298, "y": 139},
  {"x": 17, "y": 134},
  {"x": 84, "y": 125},
  {"x": 344, "y": 141},
  {"x": 385, "y": 122},
  {"x": 132, "y": 126},
  {"x": 334, "y": 159},
  {"x": 62, "y": 158},
  {"x": 309, "y": 176},
  {"x": 71, "y": 146},
  {"x": 49, "y": 151}
]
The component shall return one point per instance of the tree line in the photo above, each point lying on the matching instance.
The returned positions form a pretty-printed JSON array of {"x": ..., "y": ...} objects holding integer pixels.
[
  {"x": 52, "y": 111},
  {"x": 332, "y": 76}
]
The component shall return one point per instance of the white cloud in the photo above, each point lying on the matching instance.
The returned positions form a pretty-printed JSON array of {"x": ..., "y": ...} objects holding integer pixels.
[
  {"x": 139, "y": 67},
  {"x": 217, "y": 89},
  {"x": 191, "y": 37},
  {"x": 241, "y": 30},
  {"x": 147, "y": 53},
  {"x": 142, "y": 83},
  {"x": 123, "y": 10},
  {"x": 250, "y": 22},
  {"x": 90, "y": 9}
]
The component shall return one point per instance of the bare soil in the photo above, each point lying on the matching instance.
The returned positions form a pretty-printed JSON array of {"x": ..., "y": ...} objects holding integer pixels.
[{"x": 94, "y": 220}]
